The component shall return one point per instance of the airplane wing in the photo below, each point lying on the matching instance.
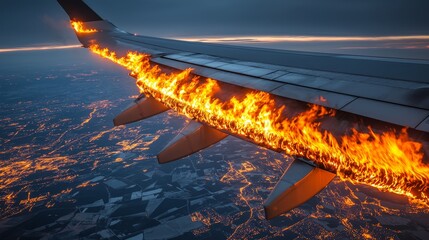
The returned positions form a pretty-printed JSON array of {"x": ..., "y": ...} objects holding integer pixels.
[{"x": 383, "y": 93}]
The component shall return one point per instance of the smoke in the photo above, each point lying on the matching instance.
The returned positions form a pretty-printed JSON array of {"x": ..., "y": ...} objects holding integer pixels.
[{"x": 25, "y": 24}]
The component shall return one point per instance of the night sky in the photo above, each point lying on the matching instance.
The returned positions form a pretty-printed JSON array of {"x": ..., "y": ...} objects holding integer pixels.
[{"x": 46, "y": 23}]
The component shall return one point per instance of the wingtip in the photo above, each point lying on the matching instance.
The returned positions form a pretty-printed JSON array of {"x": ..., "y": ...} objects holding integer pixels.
[{"x": 78, "y": 10}]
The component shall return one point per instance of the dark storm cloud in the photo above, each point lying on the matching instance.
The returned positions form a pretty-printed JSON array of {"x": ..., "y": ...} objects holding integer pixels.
[{"x": 23, "y": 23}]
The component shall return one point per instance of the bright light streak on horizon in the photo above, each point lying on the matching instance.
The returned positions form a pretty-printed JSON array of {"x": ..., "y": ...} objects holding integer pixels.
[
  {"x": 41, "y": 48},
  {"x": 291, "y": 38}
]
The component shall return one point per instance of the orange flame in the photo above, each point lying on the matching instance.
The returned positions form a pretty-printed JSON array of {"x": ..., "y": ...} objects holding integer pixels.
[
  {"x": 389, "y": 161},
  {"x": 79, "y": 28}
]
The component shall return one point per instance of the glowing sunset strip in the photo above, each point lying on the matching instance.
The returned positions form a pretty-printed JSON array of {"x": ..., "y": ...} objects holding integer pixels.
[
  {"x": 38, "y": 48},
  {"x": 290, "y": 38}
]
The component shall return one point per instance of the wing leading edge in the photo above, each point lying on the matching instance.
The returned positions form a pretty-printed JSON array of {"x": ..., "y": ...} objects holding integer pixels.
[{"x": 380, "y": 91}]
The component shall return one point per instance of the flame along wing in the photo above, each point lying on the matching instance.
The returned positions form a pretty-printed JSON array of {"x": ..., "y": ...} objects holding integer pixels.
[
  {"x": 381, "y": 92},
  {"x": 395, "y": 91}
]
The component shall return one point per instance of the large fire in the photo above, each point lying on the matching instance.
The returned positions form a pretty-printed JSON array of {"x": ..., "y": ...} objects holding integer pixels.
[
  {"x": 79, "y": 28},
  {"x": 390, "y": 161}
]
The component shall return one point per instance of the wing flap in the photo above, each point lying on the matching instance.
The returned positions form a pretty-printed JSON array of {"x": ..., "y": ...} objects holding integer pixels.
[
  {"x": 223, "y": 76},
  {"x": 319, "y": 97},
  {"x": 386, "y": 90},
  {"x": 388, "y": 112}
]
